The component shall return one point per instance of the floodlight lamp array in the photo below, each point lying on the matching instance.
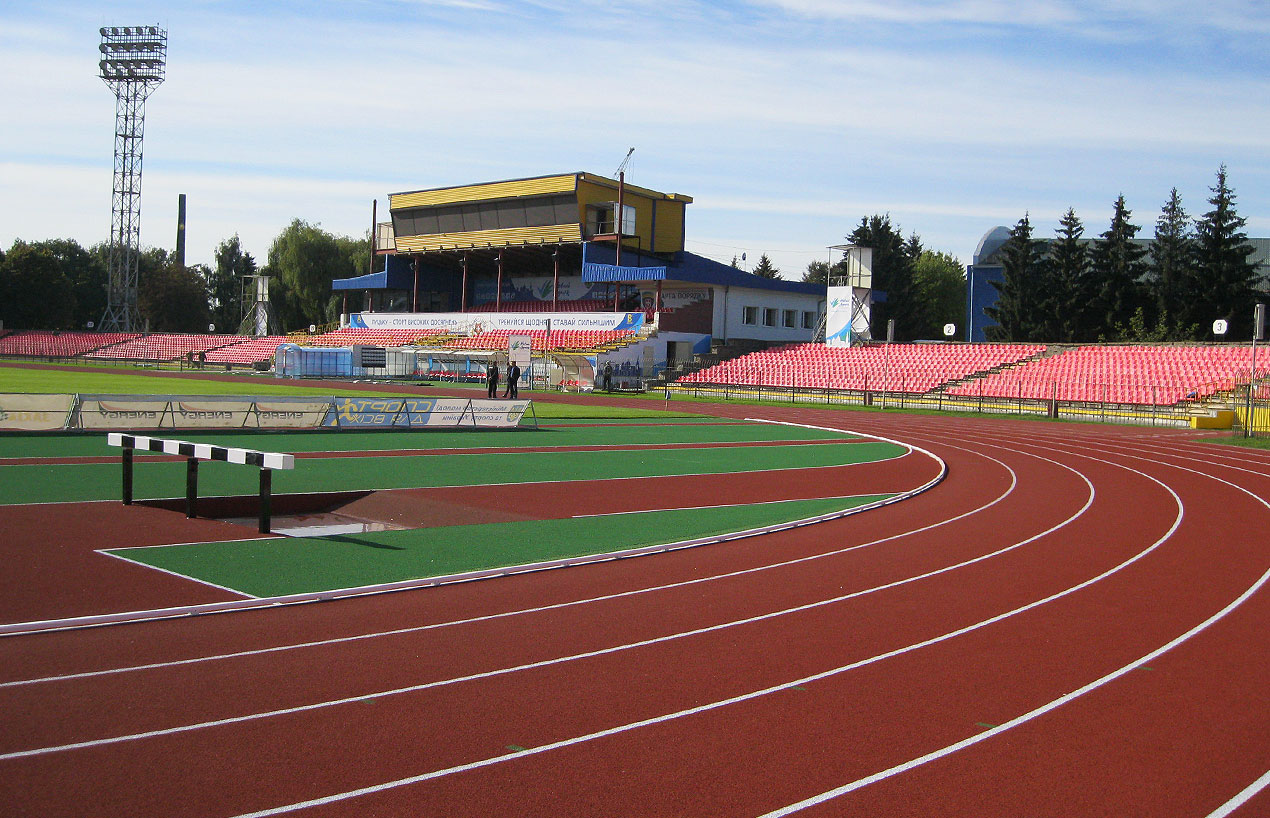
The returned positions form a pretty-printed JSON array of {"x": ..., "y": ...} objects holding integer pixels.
[{"x": 133, "y": 53}]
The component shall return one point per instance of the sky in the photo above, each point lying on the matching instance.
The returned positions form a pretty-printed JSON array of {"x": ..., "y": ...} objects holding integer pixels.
[{"x": 787, "y": 121}]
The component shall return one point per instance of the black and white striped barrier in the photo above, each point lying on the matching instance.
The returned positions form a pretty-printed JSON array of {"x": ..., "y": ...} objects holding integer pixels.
[{"x": 194, "y": 452}]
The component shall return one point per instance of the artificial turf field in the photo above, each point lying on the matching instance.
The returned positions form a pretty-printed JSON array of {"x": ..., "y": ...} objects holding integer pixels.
[{"x": 571, "y": 487}]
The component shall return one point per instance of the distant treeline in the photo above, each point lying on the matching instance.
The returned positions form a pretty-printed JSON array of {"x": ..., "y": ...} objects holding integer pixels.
[{"x": 58, "y": 284}]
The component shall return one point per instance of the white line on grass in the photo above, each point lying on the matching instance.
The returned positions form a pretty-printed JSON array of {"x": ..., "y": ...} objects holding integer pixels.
[{"x": 177, "y": 573}]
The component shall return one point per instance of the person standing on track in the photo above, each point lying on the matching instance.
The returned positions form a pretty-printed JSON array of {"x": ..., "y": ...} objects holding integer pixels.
[
  {"x": 513, "y": 377},
  {"x": 491, "y": 379},
  {"x": 608, "y": 376}
]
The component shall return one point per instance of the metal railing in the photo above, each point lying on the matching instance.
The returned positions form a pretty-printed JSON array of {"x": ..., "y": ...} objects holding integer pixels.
[{"x": 1101, "y": 411}]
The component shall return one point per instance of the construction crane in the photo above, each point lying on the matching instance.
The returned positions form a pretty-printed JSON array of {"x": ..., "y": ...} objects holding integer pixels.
[{"x": 622, "y": 167}]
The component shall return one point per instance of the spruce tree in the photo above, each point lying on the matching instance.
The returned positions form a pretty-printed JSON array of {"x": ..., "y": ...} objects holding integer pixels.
[
  {"x": 1023, "y": 263},
  {"x": 892, "y": 274},
  {"x": 765, "y": 268},
  {"x": 1172, "y": 262},
  {"x": 1222, "y": 263},
  {"x": 1117, "y": 266},
  {"x": 1062, "y": 297}
]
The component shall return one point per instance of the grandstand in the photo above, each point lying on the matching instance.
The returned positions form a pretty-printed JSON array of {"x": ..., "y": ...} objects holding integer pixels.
[
  {"x": 1158, "y": 375},
  {"x": 914, "y": 368}
]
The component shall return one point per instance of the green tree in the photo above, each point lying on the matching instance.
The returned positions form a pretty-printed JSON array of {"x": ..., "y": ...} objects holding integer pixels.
[
  {"x": 1118, "y": 266},
  {"x": 1172, "y": 260},
  {"x": 225, "y": 283},
  {"x": 817, "y": 273},
  {"x": 765, "y": 268},
  {"x": 86, "y": 276},
  {"x": 1063, "y": 293},
  {"x": 172, "y": 297},
  {"x": 892, "y": 274},
  {"x": 34, "y": 292},
  {"x": 305, "y": 260},
  {"x": 939, "y": 290},
  {"x": 1023, "y": 266},
  {"x": 1224, "y": 283}
]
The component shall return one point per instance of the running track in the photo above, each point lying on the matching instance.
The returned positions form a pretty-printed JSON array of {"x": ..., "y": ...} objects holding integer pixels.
[{"x": 1072, "y": 624}]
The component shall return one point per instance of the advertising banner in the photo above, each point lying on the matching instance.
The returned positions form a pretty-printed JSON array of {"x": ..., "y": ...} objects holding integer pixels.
[
  {"x": 537, "y": 288},
  {"x": 838, "y": 317},
  {"x": 422, "y": 412},
  {"x": 35, "y": 413},
  {"x": 519, "y": 348},
  {"x": 291, "y": 414},
  {"x": 121, "y": 412},
  {"x": 491, "y": 321},
  {"x": 204, "y": 413},
  {"x": 199, "y": 412}
]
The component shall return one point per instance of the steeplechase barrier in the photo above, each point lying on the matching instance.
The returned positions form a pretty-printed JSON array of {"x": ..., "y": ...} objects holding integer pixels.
[{"x": 193, "y": 453}]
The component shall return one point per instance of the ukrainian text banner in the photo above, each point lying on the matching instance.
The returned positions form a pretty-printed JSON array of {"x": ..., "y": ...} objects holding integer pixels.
[
  {"x": 491, "y": 321},
  {"x": 34, "y": 413}
]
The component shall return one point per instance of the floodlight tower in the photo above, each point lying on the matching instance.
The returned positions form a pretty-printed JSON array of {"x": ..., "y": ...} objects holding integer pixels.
[{"x": 132, "y": 63}]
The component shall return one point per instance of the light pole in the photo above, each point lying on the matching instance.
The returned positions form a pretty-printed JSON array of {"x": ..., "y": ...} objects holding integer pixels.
[{"x": 133, "y": 60}]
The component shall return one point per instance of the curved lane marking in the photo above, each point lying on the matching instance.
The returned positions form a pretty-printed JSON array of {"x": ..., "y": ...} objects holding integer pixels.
[{"x": 1230, "y": 806}]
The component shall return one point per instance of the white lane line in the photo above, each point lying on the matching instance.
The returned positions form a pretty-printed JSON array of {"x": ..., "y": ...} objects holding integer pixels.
[
  {"x": 1244, "y": 796},
  {"x": 1032, "y": 714},
  {"x": 563, "y": 659},
  {"x": 487, "y": 762},
  {"x": 879, "y": 494}
]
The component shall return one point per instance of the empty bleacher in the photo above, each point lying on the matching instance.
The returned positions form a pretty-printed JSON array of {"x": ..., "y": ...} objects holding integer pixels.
[
  {"x": 1160, "y": 375},
  {"x": 47, "y": 344},
  {"x": 915, "y": 368},
  {"x": 161, "y": 346},
  {"x": 247, "y": 352},
  {"x": 349, "y": 336}
]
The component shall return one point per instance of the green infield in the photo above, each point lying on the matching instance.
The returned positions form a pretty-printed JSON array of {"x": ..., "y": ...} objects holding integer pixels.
[
  {"x": 45, "y": 483},
  {"x": 277, "y": 566}
]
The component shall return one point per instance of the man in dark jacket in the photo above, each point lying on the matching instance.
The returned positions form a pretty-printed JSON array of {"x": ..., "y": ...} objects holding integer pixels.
[{"x": 491, "y": 379}]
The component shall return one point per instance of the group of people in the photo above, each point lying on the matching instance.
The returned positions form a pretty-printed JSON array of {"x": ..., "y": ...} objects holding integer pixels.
[{"x": 513, "y": 381}]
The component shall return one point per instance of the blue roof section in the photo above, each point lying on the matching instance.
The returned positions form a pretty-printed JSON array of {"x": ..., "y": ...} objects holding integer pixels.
[
  {"x": 398, "y": 274},
  {"x": 701, "y": 270},
  {"x": 693, "y": 268}
]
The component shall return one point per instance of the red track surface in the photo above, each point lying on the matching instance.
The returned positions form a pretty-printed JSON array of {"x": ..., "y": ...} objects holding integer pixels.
[{"x": 912, "y": 660}]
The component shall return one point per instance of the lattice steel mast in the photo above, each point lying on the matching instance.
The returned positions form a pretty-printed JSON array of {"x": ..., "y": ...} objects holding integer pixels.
[{"x": 133, "y": 59}]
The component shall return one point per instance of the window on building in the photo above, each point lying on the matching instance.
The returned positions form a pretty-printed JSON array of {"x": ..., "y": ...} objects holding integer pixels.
[
  {"x": 749, "y": 315},
  {"x": 769, "y": 316},
  {"x": 809, "y": 320},
  {"x": 790, "y": 318}
]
